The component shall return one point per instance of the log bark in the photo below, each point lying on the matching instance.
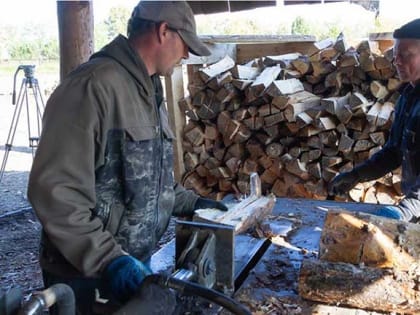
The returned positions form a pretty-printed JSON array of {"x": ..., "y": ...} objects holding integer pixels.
[{"x": 361, "y": 287}]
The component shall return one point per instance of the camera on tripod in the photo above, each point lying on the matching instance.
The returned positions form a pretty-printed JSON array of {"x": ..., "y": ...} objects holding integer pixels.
[
  {"x": 29, "y": 71},
  {"x": 34, "y": 115}
]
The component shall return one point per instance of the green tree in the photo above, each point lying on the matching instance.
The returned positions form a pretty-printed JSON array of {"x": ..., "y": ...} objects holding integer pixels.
[
  {"x": 31, "y": 41},
  {"x": 24, "y": 50},
  {"x": 101, "y": 38},
  {"x": 116, "y": 23},
  {"x": 301, "y": 27},
  {"x": 49, "y": 49}
]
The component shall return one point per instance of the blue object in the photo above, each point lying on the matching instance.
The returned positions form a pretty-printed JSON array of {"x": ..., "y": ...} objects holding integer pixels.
[
  {"x": 124, "y": 276},
  {"x": 391, "y": 212}
]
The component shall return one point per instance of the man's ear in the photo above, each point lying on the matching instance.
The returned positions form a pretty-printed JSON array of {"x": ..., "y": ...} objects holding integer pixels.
[{"x": 162, "y": 31}]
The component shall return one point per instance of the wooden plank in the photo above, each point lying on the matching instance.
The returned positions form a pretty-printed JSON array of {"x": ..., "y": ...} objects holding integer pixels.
[
  {"x": 246, "y": 52},
  {"x": 256, "y": 39},
  {"x": 174, "y": 86},
  {"x": 222, "y": 45},
  {"x": 242, "y": 216}
]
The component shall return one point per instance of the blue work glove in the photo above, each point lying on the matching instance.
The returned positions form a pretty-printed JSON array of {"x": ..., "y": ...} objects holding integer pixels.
[
  {"x": 124, "y": 275},
  {"x": 204, "y": 203},
  {"x": 391, "y": 212},
  {"x": 342, "y": 183}
]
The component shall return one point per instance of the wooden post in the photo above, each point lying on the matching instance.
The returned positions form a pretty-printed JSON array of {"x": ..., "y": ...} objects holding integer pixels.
[
  {"x": 174, "y": 86},
  {"x": 75, "y": 28}
]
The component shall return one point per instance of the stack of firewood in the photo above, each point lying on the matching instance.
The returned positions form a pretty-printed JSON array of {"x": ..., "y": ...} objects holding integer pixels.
[{"x": 297, "y": 120}]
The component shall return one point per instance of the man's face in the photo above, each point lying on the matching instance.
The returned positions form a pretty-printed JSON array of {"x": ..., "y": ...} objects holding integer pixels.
[
  {"x": 173, "y": 51},
  {"x": 407, "y": 59}
]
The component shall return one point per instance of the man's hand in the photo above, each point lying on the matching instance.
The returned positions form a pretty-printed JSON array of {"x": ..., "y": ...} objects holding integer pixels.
[
  {"x": 342, "y": 183},
  {"x": 204, "y": 203},
  {"x": 124, "y": 275},
  {"x": 391, "y": 212}
]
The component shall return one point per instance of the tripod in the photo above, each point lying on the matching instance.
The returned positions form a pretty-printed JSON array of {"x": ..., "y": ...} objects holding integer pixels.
[{"x": 29, "y": 82}]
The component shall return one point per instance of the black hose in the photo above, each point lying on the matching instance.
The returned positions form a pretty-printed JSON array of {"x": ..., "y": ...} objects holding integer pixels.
[
  {"x": 64, "y": 298},
  {"x": 190, "y": 288}
]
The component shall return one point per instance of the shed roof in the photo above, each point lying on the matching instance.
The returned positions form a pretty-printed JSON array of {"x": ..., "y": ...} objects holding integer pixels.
[{"x": 208, "y": 7}]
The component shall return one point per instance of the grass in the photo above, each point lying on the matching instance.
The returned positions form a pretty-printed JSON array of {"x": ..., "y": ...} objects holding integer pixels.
[{"x": 8, "y": 68}]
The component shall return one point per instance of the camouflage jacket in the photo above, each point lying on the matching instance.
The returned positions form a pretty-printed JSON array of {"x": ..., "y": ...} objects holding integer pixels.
[
  {"x": 102, "y": 180},
  {"x": 402, "y": 149}
]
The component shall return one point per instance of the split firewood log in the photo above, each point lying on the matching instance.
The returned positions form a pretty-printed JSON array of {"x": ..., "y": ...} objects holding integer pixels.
[
  {"x": 359, "y": 286},
  {"x": 374, "y": 241}
]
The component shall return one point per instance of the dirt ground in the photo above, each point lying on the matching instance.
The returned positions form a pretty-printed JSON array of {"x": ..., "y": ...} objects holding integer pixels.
[{"x": 19, "y": 228}]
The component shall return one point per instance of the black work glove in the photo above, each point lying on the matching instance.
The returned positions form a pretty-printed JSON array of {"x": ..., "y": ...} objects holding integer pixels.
[
  {"x": 205, "y": 203},
  {"x": 342, "y": 183}
]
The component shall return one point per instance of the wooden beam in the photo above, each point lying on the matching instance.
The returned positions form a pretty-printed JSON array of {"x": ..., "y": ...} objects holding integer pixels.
[
  {"x": 253, "y": 39},
  {"x": 248, "y": 51},
  {"x": 75, "y": 29},
  {"x": 174, "y": 86}
]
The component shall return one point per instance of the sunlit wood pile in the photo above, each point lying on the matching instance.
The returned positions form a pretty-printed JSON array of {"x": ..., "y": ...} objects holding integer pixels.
[{"x": 297, "y": 120}]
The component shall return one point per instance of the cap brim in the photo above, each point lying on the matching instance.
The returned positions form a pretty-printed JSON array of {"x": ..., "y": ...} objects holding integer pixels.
[{"x": 194, "y": 44}]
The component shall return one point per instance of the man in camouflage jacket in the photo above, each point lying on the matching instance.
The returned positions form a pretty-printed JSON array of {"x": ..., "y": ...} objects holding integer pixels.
[{"x": 102, "y": 180}]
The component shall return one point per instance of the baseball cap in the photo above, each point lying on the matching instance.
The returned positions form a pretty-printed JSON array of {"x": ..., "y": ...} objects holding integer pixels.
[
  {"x": 178, "y": 15},
  {"x": 411, "y": 30}
]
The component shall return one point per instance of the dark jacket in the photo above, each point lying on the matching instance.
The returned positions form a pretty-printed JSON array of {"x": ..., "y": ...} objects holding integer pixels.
[
  {"x": 102, "y": 180},
  {"x": 401, "y": 149}
]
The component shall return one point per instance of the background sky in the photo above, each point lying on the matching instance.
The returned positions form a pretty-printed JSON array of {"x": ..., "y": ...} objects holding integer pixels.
[{"x": 19, "y": 11}]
